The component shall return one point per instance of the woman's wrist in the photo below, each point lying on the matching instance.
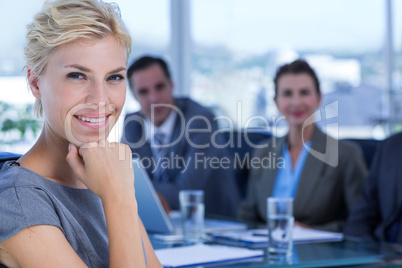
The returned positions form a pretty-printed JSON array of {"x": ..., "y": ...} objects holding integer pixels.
[{"x": 123, "y": 197}]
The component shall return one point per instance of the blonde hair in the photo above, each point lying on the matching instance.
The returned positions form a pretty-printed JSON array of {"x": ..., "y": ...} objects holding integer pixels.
[{"x": 64, "y": 21}]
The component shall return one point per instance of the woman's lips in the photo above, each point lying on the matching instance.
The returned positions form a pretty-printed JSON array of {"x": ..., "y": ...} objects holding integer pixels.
[
  {"x": 92, "y": 121},
  {"x": 297, "y": 113}
]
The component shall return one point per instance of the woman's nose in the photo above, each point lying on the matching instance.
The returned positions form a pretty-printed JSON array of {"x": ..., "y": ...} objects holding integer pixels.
[
  {"x": 98, "y": 93},
  {"x": 296, "y": 99}
]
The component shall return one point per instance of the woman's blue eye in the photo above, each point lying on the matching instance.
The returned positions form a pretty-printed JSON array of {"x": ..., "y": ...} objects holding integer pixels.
[
  {"x": 75, "y": 75},
  {"x": 116, "y": 77}
]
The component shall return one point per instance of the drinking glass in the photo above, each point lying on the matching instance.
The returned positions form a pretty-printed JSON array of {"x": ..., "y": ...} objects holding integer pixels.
[
  {"x": 192, "y": 214},
  {"x": 280, "y": 227}
]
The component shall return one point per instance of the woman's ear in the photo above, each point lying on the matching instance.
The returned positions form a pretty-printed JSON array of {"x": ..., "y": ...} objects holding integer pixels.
[{"x": 33, "y": 81}]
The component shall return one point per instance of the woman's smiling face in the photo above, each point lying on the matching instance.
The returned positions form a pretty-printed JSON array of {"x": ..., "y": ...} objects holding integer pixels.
[
  {"x": 297, "y": 98},
  {"x": 83, "y": 89}
]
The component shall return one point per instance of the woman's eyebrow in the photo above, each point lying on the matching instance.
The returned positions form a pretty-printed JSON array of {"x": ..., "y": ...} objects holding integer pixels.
[
  {"x": 85, "y": 69},
  {"x": 79, "y": 67},
  {"x": 118, "y": 70}
]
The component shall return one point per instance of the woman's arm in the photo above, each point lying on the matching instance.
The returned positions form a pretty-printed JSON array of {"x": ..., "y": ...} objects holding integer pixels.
[
  {"x": 106, "y": 169},
  {"x": 39, "y": 246},
  {"x": 107, "y": 172},
  {"x": 152, "y": 260}
]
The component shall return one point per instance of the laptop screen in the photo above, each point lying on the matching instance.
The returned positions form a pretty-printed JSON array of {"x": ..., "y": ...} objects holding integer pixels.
[
  {"x": 150, "y": 209},
  {"x": 153, "y": 215}
]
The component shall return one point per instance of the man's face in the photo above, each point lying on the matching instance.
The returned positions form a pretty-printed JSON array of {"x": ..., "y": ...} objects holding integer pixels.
[{"x": 151, "y": 86}]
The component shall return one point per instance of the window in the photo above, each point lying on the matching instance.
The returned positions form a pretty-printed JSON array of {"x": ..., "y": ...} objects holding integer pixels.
[
  {"x": 397, "y": 61},
  {"x": 239, "y": 44},
  {"x": 147, "y": 22},
  {"x": 18, "y": 128}
]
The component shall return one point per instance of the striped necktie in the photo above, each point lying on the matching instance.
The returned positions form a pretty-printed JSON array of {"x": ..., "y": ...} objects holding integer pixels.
[
  {"x": 160, "y": 151},
  {"x": 159, "y": 140}
]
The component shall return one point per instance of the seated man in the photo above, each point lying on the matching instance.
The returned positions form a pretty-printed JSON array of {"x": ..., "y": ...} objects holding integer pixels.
[
  {"x": 377, "y": 214},
  {"x": 173, "y": 138}
]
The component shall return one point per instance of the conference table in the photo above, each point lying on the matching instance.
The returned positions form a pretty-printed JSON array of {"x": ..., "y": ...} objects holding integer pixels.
[{"x": 350, "y": 252}]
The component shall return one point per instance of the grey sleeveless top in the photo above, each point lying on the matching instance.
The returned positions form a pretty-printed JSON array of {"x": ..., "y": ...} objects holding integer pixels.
[{"x": 28, "y": 199}]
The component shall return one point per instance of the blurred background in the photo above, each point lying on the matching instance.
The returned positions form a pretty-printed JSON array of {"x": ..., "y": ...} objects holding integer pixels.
[{"x": 224, "y": 54}]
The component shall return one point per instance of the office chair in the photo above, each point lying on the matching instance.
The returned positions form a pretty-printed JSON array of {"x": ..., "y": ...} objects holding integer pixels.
[
  {"x": 368, "y": 147},
  {"x": 6, "y": 156}
]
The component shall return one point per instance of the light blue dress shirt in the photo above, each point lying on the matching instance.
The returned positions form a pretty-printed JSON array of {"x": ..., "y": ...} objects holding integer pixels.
[
  {"x": 287, "y": 178},
  {"x": 166, "y": 129}
]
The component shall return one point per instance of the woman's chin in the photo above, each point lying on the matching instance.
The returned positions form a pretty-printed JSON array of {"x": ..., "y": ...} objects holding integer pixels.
[
  {"x": 296, "y": 123},
  {"x": 80, "y": 141}
]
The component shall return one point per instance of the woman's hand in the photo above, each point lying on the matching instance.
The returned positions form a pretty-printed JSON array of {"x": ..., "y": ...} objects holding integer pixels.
[{"x": 105, "y": 168}]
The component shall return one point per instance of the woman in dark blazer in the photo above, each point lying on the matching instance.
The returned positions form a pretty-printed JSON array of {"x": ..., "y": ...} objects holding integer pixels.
[{"x": 322, "y": 174}]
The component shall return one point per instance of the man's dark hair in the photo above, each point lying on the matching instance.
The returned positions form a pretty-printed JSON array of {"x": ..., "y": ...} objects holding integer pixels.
[
  {"x": 145, "y": 62},
  {"x": 296, "y": 67}
]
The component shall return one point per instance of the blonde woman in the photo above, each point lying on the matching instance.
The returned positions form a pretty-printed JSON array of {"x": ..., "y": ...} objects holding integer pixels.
[{"x": 70, "y": 200}]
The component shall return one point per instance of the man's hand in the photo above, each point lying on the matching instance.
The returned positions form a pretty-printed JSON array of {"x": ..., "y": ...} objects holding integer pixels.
[
  {"x": 164, "y": 203},
  {"x": 302, "y": 225}
]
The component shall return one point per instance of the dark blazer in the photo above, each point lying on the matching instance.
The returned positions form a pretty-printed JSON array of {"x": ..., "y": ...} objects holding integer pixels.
[
  {"x": 221, "y": 195},
  {"x": 381, "y": 202},
  {"x": 325, "y": 193}
]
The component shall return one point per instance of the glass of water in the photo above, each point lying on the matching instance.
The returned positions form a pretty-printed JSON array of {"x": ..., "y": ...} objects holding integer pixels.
[
  {"x": 280, "y": 227},
  {"x": 192, "y": 214}
]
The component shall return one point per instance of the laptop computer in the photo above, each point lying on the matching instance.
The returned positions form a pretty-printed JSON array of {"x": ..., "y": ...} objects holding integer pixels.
[{"x": 154, "y": 216}]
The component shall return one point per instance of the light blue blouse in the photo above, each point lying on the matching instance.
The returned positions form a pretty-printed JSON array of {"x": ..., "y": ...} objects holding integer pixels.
[{"x": 287, "y": 178}]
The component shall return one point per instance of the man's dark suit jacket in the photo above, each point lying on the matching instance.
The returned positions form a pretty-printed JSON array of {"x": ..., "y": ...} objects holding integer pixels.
[
  {"x": 221, "y": 195},
  {"x": 380, "y": 205}
]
